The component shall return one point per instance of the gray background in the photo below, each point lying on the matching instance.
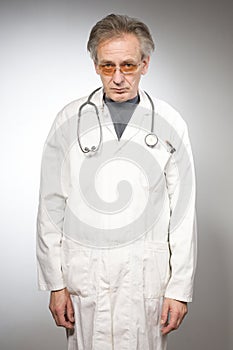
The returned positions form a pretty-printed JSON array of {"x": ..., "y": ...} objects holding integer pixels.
[{"x": 44, "y": 65}]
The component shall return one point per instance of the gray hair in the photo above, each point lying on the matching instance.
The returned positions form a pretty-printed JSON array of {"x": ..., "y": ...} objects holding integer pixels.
[{"x": 113, "y": 26}]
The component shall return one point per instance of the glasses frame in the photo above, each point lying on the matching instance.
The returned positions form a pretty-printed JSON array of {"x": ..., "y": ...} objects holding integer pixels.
[{"x": 113, "y": 69}]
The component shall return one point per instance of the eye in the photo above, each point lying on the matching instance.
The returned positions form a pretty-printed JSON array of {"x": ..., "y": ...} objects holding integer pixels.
[
  {"x": 108, "y": 65},
  {"x": 128, "y": 67}
]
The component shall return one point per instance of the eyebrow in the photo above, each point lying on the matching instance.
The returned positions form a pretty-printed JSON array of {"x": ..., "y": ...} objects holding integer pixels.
[
  {"x": 106, "y": 62},
  {"x": 130, "y": 60}
]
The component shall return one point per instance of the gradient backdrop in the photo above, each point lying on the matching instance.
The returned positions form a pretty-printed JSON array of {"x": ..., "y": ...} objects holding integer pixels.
[{"x": 44, "y": 65}]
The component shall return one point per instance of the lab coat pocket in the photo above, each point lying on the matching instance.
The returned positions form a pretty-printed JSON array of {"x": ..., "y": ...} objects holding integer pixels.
[
  {"x": 75, "y": 267},
  {"x": 155, "y": 269}
]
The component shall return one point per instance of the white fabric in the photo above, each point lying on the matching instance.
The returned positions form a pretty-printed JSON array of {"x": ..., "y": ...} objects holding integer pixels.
[{"x": 117, "y": 289}]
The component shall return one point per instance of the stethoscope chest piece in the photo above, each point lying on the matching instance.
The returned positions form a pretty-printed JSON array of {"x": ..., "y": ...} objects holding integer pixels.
[{"x": 151, "y": 140}]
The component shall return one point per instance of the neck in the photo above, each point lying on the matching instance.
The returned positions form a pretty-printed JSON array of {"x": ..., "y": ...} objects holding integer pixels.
[{"x": 133, "y": 100}]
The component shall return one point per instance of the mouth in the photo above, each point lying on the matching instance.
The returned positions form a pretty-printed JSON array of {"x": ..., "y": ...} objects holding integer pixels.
[{"x": 119, "y": 91}]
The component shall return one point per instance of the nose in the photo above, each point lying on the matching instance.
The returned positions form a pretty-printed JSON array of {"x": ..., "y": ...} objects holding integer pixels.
[{"x": 118, "y": 77}]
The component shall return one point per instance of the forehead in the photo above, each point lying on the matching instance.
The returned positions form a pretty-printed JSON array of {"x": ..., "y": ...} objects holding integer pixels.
[{"x": 124, "y": 47}]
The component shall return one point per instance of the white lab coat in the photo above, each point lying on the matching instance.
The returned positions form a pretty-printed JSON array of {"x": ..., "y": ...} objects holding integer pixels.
[{"x": 117, "y": 282}]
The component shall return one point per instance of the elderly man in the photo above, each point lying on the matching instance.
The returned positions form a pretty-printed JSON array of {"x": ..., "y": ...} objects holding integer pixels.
[{"x": 117, "y": 256}]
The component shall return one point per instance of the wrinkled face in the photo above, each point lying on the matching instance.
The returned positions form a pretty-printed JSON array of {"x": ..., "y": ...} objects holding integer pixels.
[{"x": 116, "y": 53}]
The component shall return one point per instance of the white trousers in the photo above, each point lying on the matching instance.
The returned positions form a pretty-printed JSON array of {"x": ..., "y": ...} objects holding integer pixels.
[{"x": 117, "y": 296}]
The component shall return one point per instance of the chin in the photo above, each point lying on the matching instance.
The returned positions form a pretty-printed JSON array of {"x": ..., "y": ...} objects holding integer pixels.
[{"x": 117, "y": 97}]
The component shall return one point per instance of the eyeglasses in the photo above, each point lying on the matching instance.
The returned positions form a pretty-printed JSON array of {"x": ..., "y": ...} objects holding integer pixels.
[{"x": 125, "y": 68}]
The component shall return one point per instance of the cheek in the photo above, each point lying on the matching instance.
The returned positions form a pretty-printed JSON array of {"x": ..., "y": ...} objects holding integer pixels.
[
  {"x": 105, "y": 80},
  {"x": 134, "y": 80}
]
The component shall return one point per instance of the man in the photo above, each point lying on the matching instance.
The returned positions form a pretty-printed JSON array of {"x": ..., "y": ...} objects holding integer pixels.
[{"x": 120, "y": 269}]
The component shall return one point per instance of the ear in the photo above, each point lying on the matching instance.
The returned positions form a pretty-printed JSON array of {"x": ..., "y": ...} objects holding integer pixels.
[
  {"x": 145, "y": 63},
  {"x": 97, "y": 68}
]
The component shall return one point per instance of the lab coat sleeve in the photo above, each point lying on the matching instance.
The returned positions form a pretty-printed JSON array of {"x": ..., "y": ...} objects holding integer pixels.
[
  {"x": 182, "y": 232},
  {"x": 52, "y": 203}
]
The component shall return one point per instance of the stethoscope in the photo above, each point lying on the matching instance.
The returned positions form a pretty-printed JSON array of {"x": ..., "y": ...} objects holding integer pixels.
[{"x": 151, "y": 139}]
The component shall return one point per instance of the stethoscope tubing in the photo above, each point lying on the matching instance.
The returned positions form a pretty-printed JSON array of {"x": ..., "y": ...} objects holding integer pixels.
[
  {"x": 89, "y": 102},
  {"x": 151, "y": 139}
]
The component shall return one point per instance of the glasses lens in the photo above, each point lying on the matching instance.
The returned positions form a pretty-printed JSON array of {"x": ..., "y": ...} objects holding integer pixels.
[
  {"x": 107, "y": 69},
  {"x": 128, "y": 68}
]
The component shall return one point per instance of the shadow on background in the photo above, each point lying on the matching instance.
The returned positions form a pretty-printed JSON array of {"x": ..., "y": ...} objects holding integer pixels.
[{"x": 208, "y": 325}]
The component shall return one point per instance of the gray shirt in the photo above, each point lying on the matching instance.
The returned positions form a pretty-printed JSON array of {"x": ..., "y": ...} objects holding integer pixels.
[{"x": 121, "y": 112}]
